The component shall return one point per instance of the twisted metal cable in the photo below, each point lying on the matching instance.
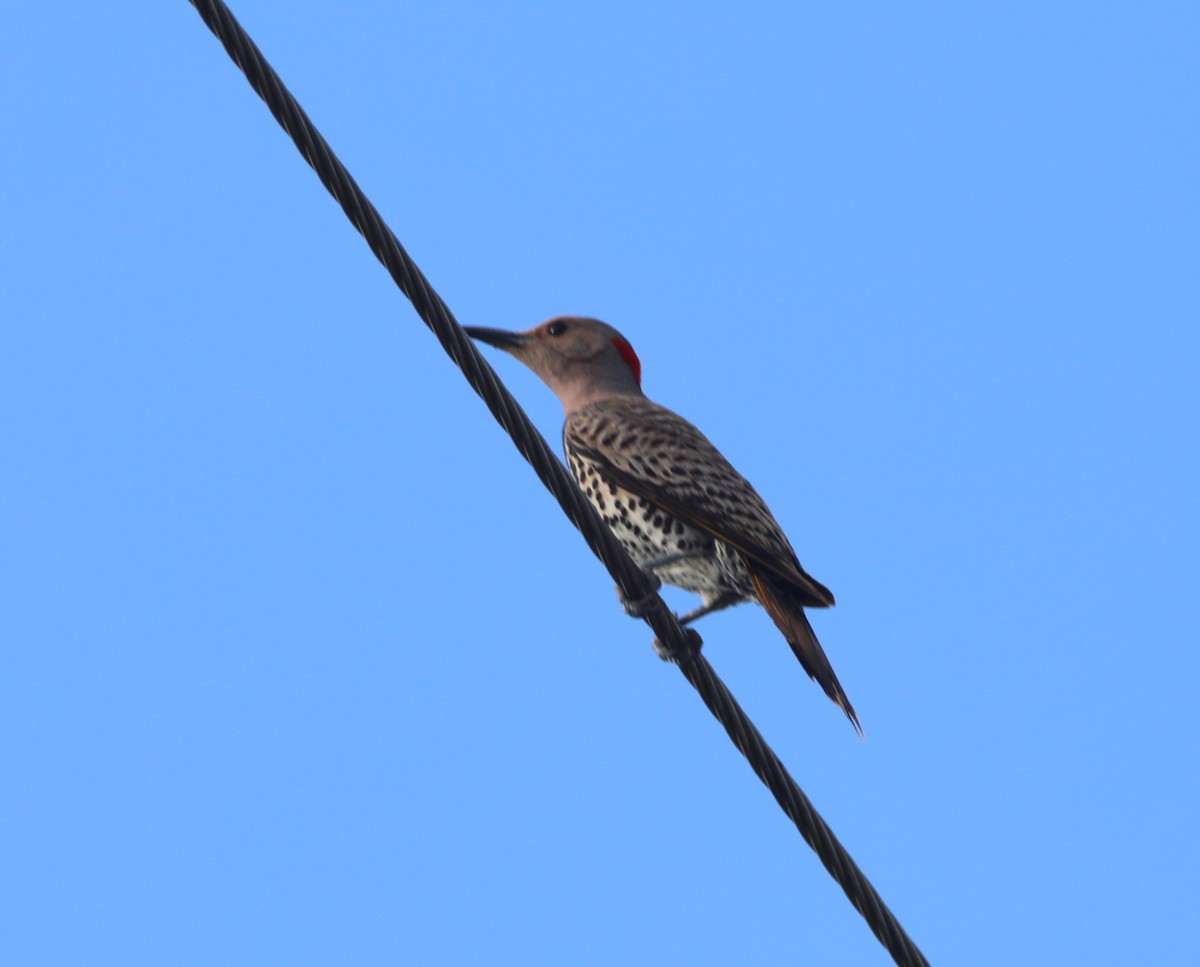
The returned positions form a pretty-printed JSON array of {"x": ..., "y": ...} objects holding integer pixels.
[{"x": 683, "y": 644}]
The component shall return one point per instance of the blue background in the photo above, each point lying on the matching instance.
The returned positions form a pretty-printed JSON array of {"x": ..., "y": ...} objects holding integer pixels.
[{"x": 300, "y": 665}]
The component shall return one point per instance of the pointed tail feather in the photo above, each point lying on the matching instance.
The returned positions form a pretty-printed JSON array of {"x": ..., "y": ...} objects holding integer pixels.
[{"x": 789, "y": 618}]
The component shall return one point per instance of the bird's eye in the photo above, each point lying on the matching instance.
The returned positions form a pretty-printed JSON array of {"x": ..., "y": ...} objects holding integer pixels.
[{"x": 557, "y": 328}]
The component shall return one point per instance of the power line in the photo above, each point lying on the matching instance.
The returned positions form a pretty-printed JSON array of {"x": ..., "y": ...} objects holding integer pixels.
[{"x": 683, "y": 644}]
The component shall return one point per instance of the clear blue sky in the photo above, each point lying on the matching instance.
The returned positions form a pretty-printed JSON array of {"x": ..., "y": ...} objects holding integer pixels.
[{"x": 300, "y": 664}]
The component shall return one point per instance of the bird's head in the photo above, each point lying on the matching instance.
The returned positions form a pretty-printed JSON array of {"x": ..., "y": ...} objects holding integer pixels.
[{"x": 582, "y": 360}]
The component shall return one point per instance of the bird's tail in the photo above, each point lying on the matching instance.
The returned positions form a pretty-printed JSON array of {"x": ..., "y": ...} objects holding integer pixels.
[{"x": 789, "y": 618}]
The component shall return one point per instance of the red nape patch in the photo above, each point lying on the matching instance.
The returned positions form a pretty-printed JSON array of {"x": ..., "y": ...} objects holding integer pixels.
[{"x": 630, "y": 357}]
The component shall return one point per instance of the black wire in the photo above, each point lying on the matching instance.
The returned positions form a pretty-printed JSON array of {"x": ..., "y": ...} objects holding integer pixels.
[{"x": 682, "y": 643}]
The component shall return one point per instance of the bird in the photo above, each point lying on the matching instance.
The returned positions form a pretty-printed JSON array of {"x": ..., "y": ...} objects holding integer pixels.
[{"x": 679, "y": 508}]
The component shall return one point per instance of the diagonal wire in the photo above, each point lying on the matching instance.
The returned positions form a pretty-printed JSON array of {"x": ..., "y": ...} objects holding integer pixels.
[{"x": 682, "y": 644}]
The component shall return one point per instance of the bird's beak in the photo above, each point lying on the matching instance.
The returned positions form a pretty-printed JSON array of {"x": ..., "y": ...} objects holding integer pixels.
[{"x": 500, "y": 338}]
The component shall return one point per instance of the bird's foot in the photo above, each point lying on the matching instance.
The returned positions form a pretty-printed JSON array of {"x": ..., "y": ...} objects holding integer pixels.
[
  {"x": 640, "y": 607},
  {"x": 680, "y": 656},
  {"x": 726, "y": 600},
  {"x": 668, "y": 559}
]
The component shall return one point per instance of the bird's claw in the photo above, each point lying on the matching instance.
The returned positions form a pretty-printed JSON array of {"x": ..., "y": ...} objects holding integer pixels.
[
  {"x": 640, "y": 607},
  {"x": 651, "y": 602},
  {"x": 679, "y": 656}
]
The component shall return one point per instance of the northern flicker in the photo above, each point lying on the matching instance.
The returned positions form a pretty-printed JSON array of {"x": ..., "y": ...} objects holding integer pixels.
[{"x": 676, "y": 504}]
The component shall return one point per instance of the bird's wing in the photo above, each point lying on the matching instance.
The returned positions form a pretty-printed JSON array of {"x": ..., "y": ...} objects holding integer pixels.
[{"x": 672, "y": 464}]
